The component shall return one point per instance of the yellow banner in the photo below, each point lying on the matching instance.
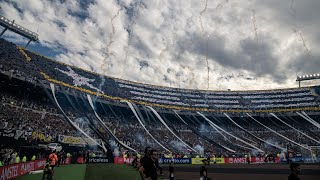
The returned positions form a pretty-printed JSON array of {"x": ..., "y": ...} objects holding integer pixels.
[
  {"x": 71, "y": 140},
  {"x": 212, "y": 160},
  {"x": 41, "y": 136},
  {"x": 76, "y": 140}
]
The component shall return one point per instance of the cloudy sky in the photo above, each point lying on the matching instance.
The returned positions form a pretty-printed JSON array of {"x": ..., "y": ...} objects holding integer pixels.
[{"x": 199, "y": 44}]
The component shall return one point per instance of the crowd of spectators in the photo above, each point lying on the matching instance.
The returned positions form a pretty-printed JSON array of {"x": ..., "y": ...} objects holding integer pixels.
[
  {"x": 13, "y": 116},
  {"x": 14, "y": 63},
  {"x": 226, "y": 100}
]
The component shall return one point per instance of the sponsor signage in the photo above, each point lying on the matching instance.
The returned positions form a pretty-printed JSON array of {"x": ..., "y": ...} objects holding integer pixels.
[
  {"x": 296, "y": 159},
  {"x": 212, "y": 160},
  {"x": 175, "y": 160},
  {"x": 121, "y": 160},
  {"x": 98, "y": 160},
  {"x": 304, "y": 159},
  {"x": 311, "y": 160},
  {"x": 244, "y": 160},
  {"x": 16, "y": 170},
  {"x": 235, "y": 160},
  {"x": 257, "y": 159},
  {"x": 217, "y": 160}
]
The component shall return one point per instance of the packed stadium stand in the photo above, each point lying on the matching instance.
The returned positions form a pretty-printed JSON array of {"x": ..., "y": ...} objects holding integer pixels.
[{"x": 41, "y": 95}]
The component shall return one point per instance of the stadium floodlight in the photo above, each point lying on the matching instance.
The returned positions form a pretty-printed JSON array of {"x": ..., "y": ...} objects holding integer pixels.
[
  {"x": 10, "y": 25},
  {"x": 308, "y": 77}
]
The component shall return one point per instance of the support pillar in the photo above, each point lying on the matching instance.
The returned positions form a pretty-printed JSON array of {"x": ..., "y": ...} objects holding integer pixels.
[{"x": 3, "y": 32}]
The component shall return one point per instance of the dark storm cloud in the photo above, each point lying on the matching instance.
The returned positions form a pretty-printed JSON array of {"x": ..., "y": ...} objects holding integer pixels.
[
  {"x": 292, "y": 11},
  {"x": 303, "y": 17},
  {"x": 305, "y": 64},
  {"x": 254, "y": 56}
]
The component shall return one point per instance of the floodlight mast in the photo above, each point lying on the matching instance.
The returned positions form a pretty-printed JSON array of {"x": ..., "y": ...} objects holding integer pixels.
[
  {"x": 12, "y": 26},
  {"x": 307, "y": 77}
]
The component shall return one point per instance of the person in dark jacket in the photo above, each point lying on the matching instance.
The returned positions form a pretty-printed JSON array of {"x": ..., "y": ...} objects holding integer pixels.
[
  {"x": 143, "y": 163},
  {"x": 295, "y": 171},
  {"x": 63, "y": 158},
  {"x": 171, "y": 171},
  {"x": 134, "y": 163},
  {"x": 156, "y": 162},
  {"x": 150, "y": 166},
  {"x": 204, "y": 171},
  {"x": 47, "y": 171}
]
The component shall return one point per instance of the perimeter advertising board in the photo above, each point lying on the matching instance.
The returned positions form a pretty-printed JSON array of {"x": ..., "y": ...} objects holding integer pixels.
[
  {"x": 121, "y": 160},
  {"x": 300, "y": 159},
  {"x": 175, "y": 160},
  {"x": 212, "y": 160},
  {"x": 16, "y": 170},
  {"x": 98, "y": 160},
  {"x": 242, "y": 160}
]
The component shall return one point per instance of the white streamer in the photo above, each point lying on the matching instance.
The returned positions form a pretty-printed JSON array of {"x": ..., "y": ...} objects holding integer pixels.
[
  {"x": 245, "y": 147},
  {"x": 85, "y": 134},
  {"x": 278, "y": 133},
  {"x": 165, "y": 124},
  {"x": 294, "y": 128},
  {"x": 228, "y": 148},
  {"x": 180, "y": 117},
  {"x": 98, "y": 117},
  {"x": 103, "y": 147},
  {"x": 212, "y": 125},
  {"x": 229, "y": 133},
  {"x": 251, "y": 133},
  {"x": 135, "y": 113},
  {"x": 309, "y": 120},
  {"x": 187, "y": 124},
  {"x": 315, "y": 122}
]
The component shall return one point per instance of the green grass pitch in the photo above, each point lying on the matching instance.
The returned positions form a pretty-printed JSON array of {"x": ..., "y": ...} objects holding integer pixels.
[{"x": 90, "y": 172}]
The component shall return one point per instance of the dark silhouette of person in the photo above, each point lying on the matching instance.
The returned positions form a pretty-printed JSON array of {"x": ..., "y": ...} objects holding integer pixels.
[
  {"x": 295, "y": 171},
  {"x": 171, "y": 171},
  {"x": 204, "y": 171},
  {"x": 150, "y": 166}
]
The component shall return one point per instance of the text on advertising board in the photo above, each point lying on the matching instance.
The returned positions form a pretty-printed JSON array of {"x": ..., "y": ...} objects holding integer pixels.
[
  {"x": 13, "y": 171},
  {"x": 98, "y": 160}
]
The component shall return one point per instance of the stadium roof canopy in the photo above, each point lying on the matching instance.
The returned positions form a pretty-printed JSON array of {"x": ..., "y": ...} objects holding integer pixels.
[{"x": 10, "y": 25}]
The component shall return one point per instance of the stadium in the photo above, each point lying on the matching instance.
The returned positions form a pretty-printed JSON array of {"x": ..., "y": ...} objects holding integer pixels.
[{"x": 103, "y": 124}]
